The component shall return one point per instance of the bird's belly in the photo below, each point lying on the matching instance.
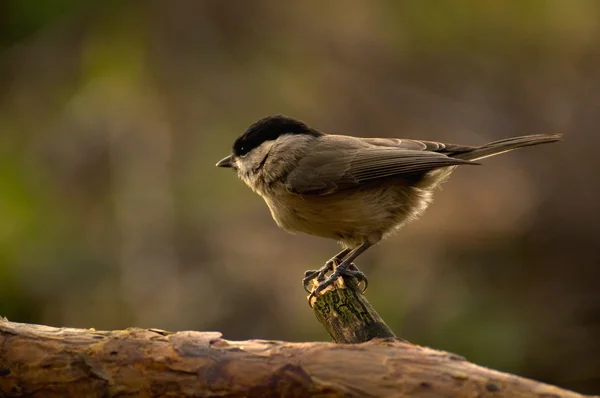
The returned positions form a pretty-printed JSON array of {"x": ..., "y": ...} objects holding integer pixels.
[{"x": 351, "y": 216}]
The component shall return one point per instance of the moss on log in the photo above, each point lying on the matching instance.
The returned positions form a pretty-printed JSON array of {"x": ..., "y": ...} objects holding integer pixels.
[{"x": 346, "y": 314}]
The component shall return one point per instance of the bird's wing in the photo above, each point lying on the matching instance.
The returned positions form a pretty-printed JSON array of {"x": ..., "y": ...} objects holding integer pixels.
[
  {"x": 419, "y": 145},
  {"x": 339, "y": 163}
]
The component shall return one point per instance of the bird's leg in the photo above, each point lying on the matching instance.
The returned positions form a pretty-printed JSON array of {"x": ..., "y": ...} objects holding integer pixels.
[
  {"x": 345, "y": 270},
  {"x": 320, "y": 273}
]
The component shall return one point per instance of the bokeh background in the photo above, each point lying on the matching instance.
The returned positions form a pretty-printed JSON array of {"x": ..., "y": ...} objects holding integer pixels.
[{"x": 112, "y": 214}]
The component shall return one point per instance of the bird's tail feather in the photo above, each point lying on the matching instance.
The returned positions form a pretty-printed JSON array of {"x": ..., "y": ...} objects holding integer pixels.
[{"x": 509, "y": 144}]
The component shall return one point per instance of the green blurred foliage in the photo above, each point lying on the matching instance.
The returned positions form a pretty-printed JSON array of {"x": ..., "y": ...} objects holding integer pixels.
[
  {"x": 21, "y": 19},
  {"x": 112, "y": 115}
]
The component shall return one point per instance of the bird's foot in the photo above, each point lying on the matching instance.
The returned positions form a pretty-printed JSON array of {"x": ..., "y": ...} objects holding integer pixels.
[
  {"x": 317, "y": 273},
  {"x": 343, "y": 270}
]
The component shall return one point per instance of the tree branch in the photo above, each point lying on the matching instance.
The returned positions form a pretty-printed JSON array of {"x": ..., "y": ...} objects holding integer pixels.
[
  {"x": 42, "y": 361},
  {"x": 346, "y": 314}
]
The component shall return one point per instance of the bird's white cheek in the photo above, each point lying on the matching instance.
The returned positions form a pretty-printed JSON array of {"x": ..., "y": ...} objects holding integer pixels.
[
  {"x": 240, "y": 166},
  {"x": 246, "y": 174}
]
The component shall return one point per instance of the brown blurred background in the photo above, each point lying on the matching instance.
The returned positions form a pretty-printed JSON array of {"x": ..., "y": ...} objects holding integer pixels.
[{"x": 112, "y": 214}]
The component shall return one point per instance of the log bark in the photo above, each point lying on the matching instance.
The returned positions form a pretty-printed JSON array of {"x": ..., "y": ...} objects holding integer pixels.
[
  {"x": 42, "y": 361},
  {"x": 346, "y": 314}
]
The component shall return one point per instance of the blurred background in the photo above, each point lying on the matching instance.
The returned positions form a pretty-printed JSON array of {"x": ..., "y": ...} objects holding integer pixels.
[{"x": 112, "y": 214}]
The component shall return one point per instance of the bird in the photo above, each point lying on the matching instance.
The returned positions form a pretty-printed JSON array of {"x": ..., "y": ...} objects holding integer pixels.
[{"x": 355, "y": 190}]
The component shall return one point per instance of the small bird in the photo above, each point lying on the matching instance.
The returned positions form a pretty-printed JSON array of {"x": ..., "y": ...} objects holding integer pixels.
[{"x": 354, "y": 190}]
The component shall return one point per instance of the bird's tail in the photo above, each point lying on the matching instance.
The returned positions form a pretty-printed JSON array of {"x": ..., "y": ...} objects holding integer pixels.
[{"x": 509, "y": 144}]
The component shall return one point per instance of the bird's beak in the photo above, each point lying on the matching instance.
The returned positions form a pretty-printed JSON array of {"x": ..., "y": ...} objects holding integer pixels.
[{"x": 225, "y": 162}]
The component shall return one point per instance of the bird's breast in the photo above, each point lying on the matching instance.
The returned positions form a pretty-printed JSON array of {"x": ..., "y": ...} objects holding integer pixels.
[{"x": 351, "y": 216}]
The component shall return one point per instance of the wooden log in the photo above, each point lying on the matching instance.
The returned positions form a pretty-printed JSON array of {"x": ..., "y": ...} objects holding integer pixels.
[
  {"x": 42, "y": 361},
  {"x": 346, "y": 314}
]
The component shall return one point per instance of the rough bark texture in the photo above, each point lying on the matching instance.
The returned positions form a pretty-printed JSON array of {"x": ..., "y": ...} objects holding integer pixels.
[
  {"x": 41, "y": 361},
  {"x": 347, "y": 315}
]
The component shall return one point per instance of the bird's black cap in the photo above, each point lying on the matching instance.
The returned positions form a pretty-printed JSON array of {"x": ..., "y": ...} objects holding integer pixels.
[{"x": 270, "y": 128}]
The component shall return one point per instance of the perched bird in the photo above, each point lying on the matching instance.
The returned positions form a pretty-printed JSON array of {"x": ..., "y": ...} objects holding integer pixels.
[{"x": 354, "y": 190}]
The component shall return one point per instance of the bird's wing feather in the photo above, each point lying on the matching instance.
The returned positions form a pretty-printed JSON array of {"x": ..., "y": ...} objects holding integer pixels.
[
  {"x": 338, "y": 164},
  {"x": 403, "y": 143}
]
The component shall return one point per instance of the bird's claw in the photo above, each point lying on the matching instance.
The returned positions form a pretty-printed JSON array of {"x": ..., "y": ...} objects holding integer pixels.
[
  {"x": 317, "y": 273},
  {"x": 350, "y": 272},
  {"x": 308, "y": 277}
]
